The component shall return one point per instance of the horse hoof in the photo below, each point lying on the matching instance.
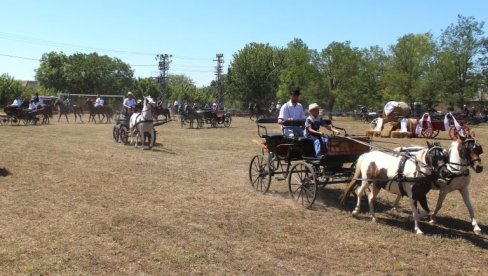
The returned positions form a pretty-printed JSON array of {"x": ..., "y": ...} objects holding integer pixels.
[
  {"x": 477, "y": 231},
  {"x": 374, "y": 220},
  {"x": 431, "y": 222},
  {"x": 418, "y": 232},
  {"x": 355, "y": 213}
]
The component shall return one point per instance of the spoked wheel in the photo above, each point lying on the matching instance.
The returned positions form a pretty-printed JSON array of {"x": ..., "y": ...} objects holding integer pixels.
[
  {"x": 302, "y": 184},
  {"x": 124, "y": 134},
  {"x": 14, "y": 121},
  {"x": 260, "y": 174},
  {"x": 453, "y": 133},
  {"x": 227, "y": 121},
  {"x": 429, "y": 132},
  {"x": 116, "y": 133}
]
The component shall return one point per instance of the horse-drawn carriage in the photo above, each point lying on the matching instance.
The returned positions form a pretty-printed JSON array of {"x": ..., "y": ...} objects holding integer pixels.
[
  {"x": 142, "y": 125},
  {"x": 290, "y": 156},
  {"x": 20, "y": 114},
  {"x": 213, "y": 117},
  {"x": 190, "y": 116}
]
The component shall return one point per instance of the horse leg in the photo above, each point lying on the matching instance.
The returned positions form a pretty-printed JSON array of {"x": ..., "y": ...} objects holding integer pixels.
[
  {"x": 440, "y": 200},
  {"x": 360, "y": 193},
  {"x": 66, "y": 115},
  {"x": 467, "y": 201},
  {"x": 371, "y": 199},
  {"x": 395, "y": 204},
  {"x": 415, "y": 212},
  {"x": 60, "y": 114}
]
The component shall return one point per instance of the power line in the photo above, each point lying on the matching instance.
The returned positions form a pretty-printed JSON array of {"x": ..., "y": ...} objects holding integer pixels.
[
  {"x": 38, "y": 41},
  {"x": 26, "y": 58}
]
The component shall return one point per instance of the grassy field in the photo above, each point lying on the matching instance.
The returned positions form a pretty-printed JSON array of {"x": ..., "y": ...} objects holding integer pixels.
[{"x": 75, "y": 202}]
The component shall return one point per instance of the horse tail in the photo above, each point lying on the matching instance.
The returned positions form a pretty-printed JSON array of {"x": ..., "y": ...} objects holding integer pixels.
[{"x": 357, "y": 174}]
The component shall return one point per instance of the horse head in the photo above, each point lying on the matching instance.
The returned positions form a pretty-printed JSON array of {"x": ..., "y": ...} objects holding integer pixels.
[
  {"x": 437, "y": 158},
  {"x": 470, "y": 151}
]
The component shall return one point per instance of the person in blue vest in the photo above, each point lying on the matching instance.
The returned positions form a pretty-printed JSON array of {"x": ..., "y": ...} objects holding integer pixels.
[{"x": 312, "y": 129}]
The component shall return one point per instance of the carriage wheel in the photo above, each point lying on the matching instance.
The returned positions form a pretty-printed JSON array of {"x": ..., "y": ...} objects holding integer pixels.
[
  {"x": 259, "y": 174},
  {"x": 124, "y": 134},
  {"x": 227, "y": 121},
  {"x": 453, "y": 131},
  {"x": 302, "y": 184},
  {"x": 373, "y": 124},
  {"x": 14, "y": 121},
  {"x": 116, "y": 133},
  {"x": 427, "y": 133}
]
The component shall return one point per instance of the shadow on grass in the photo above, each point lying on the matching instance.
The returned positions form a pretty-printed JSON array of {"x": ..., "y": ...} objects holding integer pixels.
[
  {"x": 446, "y": 227},
  {"x": 4, "y": 172}
]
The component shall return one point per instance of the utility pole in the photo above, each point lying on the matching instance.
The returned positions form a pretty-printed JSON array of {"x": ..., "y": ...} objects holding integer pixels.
[
  {"x": 163, "y": 64},
  {"x": 218, "y": 73}
]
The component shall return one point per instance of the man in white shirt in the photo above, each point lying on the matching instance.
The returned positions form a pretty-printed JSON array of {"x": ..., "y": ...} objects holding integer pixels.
[
  {"x": 292, "y": 110},
  {"x": 99, "y": 101}
]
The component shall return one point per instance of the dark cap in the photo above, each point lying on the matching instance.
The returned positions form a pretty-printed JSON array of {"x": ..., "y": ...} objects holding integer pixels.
[{"x": 295, "y": 91}]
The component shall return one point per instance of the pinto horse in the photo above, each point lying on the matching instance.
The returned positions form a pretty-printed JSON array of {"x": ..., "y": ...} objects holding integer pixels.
[
  {"x": 396, "y": 173},
  {"x": 65, "y": 110},
  {"x": 141, "y": 124},
  {"x": 463, "y": 153},
  {"x": 105, "y": 111}
]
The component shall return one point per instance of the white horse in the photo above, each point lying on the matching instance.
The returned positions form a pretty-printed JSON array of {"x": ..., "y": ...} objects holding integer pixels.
[
  {"x": 141, "y": 124},
  {"x": 385, "y": 171},
  {"x": 462, "y": 154}
]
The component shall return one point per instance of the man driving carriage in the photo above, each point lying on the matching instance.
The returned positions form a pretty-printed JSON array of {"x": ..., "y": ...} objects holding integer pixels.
[
  {"x": 129, "y": 104},
  {"x": 292, "y": 111}
]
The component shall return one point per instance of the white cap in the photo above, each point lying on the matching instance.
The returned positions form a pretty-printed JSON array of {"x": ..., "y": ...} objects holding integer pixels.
[{"x": 313, "y": 106}]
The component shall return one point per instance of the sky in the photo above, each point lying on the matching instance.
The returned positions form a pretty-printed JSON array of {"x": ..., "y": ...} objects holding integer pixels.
[{"x": 194, "y": 31}]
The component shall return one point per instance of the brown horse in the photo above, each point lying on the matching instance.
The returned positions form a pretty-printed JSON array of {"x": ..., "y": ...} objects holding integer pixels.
[
  {"x": 105, "y": 111},
  {"x": 161, "y": 110},
  {"x": 65, "y": 110}
]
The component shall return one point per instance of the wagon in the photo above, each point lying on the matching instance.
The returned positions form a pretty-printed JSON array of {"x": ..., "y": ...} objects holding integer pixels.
[
  {"x": 213, "y": 117},
  {"x": 291, "y": 158},
  {"x": 431, "y": 126},
  {"x": 121, "y": 130}
]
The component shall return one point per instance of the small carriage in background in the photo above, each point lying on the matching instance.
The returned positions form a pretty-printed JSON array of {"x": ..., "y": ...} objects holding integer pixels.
[
  {"x": 16, "y": 115},
  {"x": 213, "y": 117},
  {"x": 290, "y": 156},
  {"x": 121, "y": 129},
  {"x": 398, "y": 116}
]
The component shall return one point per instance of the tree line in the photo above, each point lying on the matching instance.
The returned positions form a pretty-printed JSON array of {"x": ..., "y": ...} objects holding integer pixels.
[{"x": 449, "y": 69}]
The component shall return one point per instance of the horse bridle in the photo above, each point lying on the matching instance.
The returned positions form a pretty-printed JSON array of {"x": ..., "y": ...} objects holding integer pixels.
[{"x": 465, "y": 152}]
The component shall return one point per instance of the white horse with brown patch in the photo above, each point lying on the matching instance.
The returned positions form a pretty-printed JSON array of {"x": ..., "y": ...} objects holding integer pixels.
[
  {"x": 396, "y": 173},
  {"x": 141, "y": 124},
  {"x": 463, "y": 153}
]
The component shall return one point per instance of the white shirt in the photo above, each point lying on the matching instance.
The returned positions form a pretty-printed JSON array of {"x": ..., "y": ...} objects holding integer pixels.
[
  {"x": 16, "y": 102},
  {"x": 33, "y": 105},
  {"x": 288, "y": 111},
  {"x": 98, "y": 102},
  {"x": 130, "y": 102},
  {"x": 176, "y": 103}
]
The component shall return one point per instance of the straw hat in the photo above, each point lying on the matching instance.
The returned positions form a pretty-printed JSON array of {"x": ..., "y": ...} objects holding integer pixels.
[{"x": 313, "y": 106}]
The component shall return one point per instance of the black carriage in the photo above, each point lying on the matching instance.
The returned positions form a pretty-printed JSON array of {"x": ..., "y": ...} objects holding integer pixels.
[
  {"x": 213, "y": 117},
  {"x": 289, "y": 156},
  {"x": 16, "y": 115}
]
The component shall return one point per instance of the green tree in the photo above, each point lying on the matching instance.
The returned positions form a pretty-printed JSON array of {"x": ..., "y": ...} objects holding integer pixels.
[
  {"x": 460, "y": 45},
  {"x": 370, "y": 83},
  {"x": 252, "y": 76},
  {"x": 411, "y": 58},
  {"x": 84, "y": 74},
  {"x": 9, "y": 89},
  {"x": 297, "y": 69},
  {"x": 146, "y": 87},
  {"x": 339, "y": 68}
]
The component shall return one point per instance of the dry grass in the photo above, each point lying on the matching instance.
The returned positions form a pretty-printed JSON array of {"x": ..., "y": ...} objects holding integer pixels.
[{"x": 77, "y": 203}]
